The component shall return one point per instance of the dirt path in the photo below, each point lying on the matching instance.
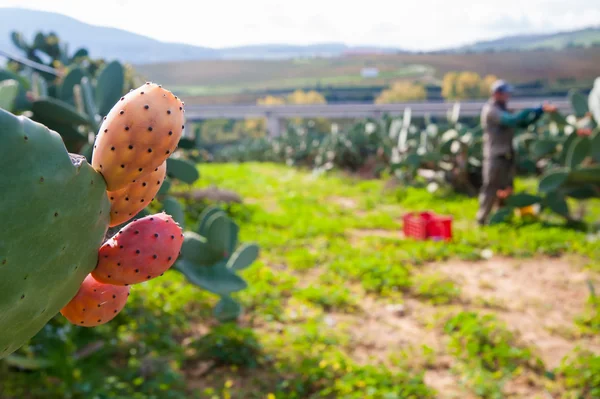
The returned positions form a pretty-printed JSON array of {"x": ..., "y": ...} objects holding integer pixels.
[{"x": 538, "y": 298}]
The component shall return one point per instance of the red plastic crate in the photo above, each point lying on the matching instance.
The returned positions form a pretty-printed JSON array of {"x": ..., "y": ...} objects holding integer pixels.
[{"x": 427, "y": 225}]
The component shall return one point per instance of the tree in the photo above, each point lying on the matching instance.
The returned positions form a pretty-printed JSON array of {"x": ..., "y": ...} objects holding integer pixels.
[
  {"x": 306, "y": 97},
  {"x": 449, "y": 85},
  {"x": 466, "y": 85},
  {"x": 402, "y": 91},
  {"x": 270, "y": 100}
]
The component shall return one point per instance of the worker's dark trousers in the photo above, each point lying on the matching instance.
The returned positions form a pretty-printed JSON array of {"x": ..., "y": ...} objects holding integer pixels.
[{"x": 498, "y": 174}]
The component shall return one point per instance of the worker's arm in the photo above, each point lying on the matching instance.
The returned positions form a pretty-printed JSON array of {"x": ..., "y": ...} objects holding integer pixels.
[
  {"x": 525, "y": 116},
  {"x": 521, "y": 118}
]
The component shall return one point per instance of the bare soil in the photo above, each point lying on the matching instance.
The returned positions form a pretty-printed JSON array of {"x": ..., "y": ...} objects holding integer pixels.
[{"x": 537, "y": 298}]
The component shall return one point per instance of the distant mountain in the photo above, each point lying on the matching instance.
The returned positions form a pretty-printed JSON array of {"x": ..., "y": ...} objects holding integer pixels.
[
  {"x": 555, "y": 41},
  {"x": 112, "y": 43},
  {"x": 102, "y": 42},
  {"x": 119, "y": 44},
  {"x": 280, "y": 51}
]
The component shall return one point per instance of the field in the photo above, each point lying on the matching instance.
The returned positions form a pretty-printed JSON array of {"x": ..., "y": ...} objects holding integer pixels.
[
  {"x": 341, "y": 305},
  {"x": 227, "y": 80}
]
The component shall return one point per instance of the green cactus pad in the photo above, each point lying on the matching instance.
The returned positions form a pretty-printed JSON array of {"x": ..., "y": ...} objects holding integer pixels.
[
  {"x": 557, "y": 203},
  {"x": 243, "y": 257},
  {"x": 87, "y": 92},
  {"x": 595, "y": 146},
  {"x": 543, "y": 147},
  {"x": 110, "y": 86},
  {"x": 19, "y": 41},
  {"x": 594, "y": 100},
  {"x": 56, "y": 110},
  {"x": 205, "y": 267},
  {"x": 577, "y": 152},
  {"x": 205, "y": 217},
  {"x": 553, "y": 180},
  {"x": 186, "y": 144},
  {"x": 579, "y": 103},
  {"x": 39, "y": 85},
  {"x": 584, "y": 192},
  {"x": 216, "y": 278},
  {"x": 565, "y": 148},
  {"x": 501, "y": 216},
  {"x": 589, "y": 174},
  {"x": 219, "y": 233},
  {"x": 227, "y": 309},
  {"x": 65, "y": 90},
  {"x": 182, "y": 170},
  {"x": 55, "y": 213},
  {"x": 164, "y": 188},
  {"x": 8, "y": 93},
  {"x": 172, "y": 207},
  {"x": 521, "y": 200}
]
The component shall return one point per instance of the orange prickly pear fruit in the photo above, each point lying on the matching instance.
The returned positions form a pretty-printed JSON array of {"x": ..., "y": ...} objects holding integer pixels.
[
  {"x": 138, "y": 135},
  {"x": 95, "y": 303},
  {"x": 127, "y": 202}
]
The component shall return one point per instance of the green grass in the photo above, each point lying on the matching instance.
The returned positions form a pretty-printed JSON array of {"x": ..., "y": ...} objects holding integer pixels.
[{"x": 331, "y": 258}]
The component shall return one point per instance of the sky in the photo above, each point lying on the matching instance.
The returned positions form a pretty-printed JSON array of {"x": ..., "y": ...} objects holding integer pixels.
[{"x": 411, "y": 25}]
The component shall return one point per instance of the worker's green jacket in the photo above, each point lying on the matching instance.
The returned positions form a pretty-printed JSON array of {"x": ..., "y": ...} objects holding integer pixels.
[{"x": 499, "y": 127}]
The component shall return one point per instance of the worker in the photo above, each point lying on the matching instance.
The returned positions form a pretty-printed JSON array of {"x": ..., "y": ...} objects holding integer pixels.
[{"x": 499, "y": 125}]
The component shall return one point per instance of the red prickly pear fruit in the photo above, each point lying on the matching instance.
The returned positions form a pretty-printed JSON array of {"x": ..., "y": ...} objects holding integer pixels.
[
  {"x": 127, "y": 202},
  {"x": 141, "y": 251},
  {"x": 138, "y": 135},
  {"x": 95, "y": 303}
]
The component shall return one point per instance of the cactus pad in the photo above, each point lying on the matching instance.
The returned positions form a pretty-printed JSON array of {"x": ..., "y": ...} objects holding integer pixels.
[{"x": 53, "y": 222}]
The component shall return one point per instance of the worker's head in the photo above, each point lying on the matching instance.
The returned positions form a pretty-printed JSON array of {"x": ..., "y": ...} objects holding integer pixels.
[{"x": 501, "y": 91}]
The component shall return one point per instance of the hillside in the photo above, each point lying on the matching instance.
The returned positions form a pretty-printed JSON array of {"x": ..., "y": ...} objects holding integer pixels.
[
  {"x": 554, "y": 41},
  {"x": 234, "y": 78}
]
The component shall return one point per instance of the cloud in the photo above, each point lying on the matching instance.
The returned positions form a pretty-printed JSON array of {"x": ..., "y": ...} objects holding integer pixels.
[
  {"x": 507, "y": 23},
  {"x": 415, "y": 25}
]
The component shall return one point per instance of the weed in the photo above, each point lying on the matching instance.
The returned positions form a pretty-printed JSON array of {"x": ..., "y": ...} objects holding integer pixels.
[
  {"x": 436, "y": 288},
  {"x": 488, "y": 353}
]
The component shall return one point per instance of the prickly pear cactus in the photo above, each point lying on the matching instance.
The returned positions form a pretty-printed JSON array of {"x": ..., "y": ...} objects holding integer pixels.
[
  {"x": 55, "y": 213},
  {"x": 210, "y": 260}
]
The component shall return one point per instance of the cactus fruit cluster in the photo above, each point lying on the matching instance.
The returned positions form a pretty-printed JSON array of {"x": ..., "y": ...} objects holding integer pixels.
[{"x": 56, "y": 213}]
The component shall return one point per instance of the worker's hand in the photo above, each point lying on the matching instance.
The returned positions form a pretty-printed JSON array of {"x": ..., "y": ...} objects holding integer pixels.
[
  {"x": 584, "y": 131},
  {"x": 549, "y": 108},
  {"x": 503, "y": 194}
]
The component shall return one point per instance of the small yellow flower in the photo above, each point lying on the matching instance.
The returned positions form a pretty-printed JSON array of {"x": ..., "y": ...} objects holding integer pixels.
[
  {"x": 270, "y": 396},
  {"x": 228, "y": 384}
]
